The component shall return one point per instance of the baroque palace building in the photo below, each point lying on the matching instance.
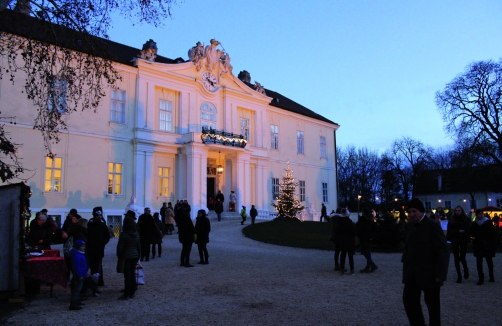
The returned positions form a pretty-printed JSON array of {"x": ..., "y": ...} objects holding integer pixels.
[{"x": 176, "y": 129}]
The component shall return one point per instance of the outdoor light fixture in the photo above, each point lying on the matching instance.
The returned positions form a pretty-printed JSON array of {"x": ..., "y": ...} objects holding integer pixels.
[
  {"x": 219, "y": 169},
  {"x": 358, "y": 200},
  {"x": 439, "y": 200}
]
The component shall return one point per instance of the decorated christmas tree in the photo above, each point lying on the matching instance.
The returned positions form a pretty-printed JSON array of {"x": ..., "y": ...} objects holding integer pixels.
[{"x": 287, "y": 205}]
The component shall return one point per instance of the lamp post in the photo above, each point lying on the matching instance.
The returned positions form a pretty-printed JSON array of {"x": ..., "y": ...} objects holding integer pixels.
[{"x": 358, "y": 200}]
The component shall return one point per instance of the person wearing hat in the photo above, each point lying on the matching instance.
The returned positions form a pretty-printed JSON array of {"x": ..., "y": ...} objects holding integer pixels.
[
  {"x": 40, "y": 235},
  {"x": 243, "y": 214},
  {"x": 253, "y": 213},
  {"x": 233, "y": 201},
  {"x": 425, "y": 265},
  {"x": 97, "y": 238},
  {"x": 79, "y": 271}
]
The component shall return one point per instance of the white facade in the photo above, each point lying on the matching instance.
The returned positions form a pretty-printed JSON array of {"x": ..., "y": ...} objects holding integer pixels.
[{"x": 153, "y": 151}]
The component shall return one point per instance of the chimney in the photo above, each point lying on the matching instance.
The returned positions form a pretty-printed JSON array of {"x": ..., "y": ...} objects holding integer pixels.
[{"x": 245, "y": 76}]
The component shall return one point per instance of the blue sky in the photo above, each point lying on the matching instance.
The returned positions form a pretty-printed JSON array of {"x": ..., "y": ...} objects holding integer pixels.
[{"x": 372, "y": 66}]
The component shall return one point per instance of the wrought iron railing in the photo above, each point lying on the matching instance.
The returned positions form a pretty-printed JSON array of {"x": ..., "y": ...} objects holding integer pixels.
[{"x": 213, "y": 136}]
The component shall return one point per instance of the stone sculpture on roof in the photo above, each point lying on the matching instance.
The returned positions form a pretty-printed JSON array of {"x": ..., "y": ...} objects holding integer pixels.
[
  {"x": 149, "y": 51},
  {"x": 196, "y": 54},
  {"x": 212, "y": 58},
  {"x": 259, "y": 88}
]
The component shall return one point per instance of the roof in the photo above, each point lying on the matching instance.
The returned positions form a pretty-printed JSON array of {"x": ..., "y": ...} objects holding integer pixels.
[
  {"x": 30, "y": 27},
  {"x": 460, "y": 180}
]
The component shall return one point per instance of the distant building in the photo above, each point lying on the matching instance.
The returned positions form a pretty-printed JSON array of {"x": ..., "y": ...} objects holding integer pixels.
[
  {"x": 476, "y": 187},
  {"x": 175, "y": 129}
]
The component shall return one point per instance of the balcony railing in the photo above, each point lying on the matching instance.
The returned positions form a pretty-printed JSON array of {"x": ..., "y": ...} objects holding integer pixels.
[{"x": 213, "y": 136}]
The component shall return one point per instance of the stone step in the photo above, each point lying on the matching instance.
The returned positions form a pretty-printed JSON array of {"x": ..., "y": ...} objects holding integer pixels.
[{"x": 224, "y": 216}]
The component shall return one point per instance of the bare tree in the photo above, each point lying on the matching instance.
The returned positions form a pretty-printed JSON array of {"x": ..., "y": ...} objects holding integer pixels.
[
  {"x": 58, "y": 48},
  {"x": 471, "y": 107}
]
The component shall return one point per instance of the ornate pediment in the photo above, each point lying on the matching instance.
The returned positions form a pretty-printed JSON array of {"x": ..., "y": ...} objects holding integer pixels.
[{"x": 212, "y": 58}]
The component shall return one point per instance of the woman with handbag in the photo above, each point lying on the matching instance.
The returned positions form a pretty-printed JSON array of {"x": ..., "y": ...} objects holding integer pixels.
[{"x": 128, "y": 251}]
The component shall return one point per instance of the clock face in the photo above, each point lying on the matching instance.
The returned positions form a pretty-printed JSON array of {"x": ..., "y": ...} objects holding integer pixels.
[{"x": 209, "y": 81}]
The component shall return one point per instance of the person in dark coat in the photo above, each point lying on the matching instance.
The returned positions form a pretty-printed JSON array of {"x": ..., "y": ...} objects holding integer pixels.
[
  {"x": 458, "y": 233},
  {"x": 334, "y": 237},
  {"x": 157, "y": 235},
  {"x": 129, "y": 248},
  {"x": 218, "y": 208},
  {"x": 202, "y": 229},
  {"x": 483, "y": 245},
  {"x": 220, "y": 196},
  {"x": 146, "y": 228},
  {"x": 253, "y": 213},
  {"x": 425, "y": 265},
  {"x": 186, "y": 232},
  {"x": 40, "y": 235},
  {"x": 324, "y": 213},
  {"x": 365, "y": 229},
  {"x": 97, "y": 238},
  {"x": 346, "y": 235},
  {"x": 163, "y": 218}
]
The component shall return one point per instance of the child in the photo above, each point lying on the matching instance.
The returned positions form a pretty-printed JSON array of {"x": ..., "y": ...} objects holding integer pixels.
[
  {"x": 243, "y": 214},
  {"x": 90, "y": 282},
  {"x": 79, "y": 271}
]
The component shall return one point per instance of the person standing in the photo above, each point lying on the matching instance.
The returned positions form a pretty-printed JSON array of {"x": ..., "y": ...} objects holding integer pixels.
[
  {"x": 346, "y": 235},
  {"x": 334, "y": 235},
  {"x": 425, "y": 265},
  {"x": 79, "y": 271},
  {"x": 324, "y": 213},
  {"x": 253, "y": 213},
  {"x": 233, "y": 201},
  {"x": 163, "y": 217},
  {"x": 129, "y": 248},
  {"x": 202, "y": 229},
  {"x": 40, "y": 235},
  {"x": 97, "y": 238},
  {"x": 365, "y": 230},
  {"x": 146, "y": 227},
  {"x": 218, "y": 208},
  {"x": 483, "y": 245},
  {"x": 185, "y": 236},
  {"x": 458, "y": 233},
  {"x": 220, "y": 196},
  {"x": 243, "y": 214},
  {"x": 157, "y": 235},
  {"x": 169, "y": 219}
]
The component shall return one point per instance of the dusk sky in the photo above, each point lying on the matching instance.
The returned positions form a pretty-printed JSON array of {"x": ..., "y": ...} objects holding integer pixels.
[{"x": 372, "y": 66}]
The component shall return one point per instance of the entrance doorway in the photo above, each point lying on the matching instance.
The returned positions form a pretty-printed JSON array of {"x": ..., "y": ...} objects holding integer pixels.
[{"x": 210, "y": 193}]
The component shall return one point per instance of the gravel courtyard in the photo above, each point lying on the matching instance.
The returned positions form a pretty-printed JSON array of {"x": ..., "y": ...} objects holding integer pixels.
[{"x": 252, "y": 283}]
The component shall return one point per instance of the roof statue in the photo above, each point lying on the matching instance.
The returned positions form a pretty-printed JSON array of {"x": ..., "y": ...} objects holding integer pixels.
[
  {"x": 149, "y": 51},
  {"x": 259, "y": 88},
  {"x": 214, "y": 59}
]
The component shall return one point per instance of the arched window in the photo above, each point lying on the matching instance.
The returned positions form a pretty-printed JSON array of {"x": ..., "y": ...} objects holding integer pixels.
[{"x": 207, "y": 116}]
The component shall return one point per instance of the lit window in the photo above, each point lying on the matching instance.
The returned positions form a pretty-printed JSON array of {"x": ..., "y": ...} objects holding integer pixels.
[
  {"x": 245, "y": 128},
  {"x": 299, "y": 142},
  {"x": 324, "y": 192},
  {"x": 115, "y": 178},
  {"x": 166, "y": 115},
  {"x": 117, "y": 109},
  {"x": 53, "y": 174},
  {"x": 301, "y": 185},
  {"x": 57, "y": 95},
  {"x": 163, "y": 182},
  {"x": 322, "y": 140},
  {"x": 274, "y": 137},
  {"x": 207, "y": 116},
  {"x": 275, "y": 187}
]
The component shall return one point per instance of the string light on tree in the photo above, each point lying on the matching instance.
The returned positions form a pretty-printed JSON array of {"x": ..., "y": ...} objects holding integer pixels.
[{"x": 287, "y": 205}]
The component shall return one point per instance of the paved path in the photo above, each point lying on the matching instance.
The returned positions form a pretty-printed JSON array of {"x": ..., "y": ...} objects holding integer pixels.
[{"x": 252, "y": 283}]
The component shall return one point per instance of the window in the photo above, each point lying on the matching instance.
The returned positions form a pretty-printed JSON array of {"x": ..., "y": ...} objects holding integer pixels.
[
  {"x": 322, "y": 141},
  {"x": 428, "y": 205},
  {"x": 299, "y": 142},
  {"x": 275, "y": 187},
  {"x": 207, "y": 116},
  {"x": 324, "y": 192},
  {"x": 53, "y": 174},
  {"x": 245, "y": 128},
  {"x": 274, "y": 137},
  {"x": 117, "y": 109},
  {"x": 499, "y": 202},
  {"x": 301, "y": 185},
  {"x": 166, "y": 115},
  {"x": 447, "y": 204},
  {"x": 164, "y": 182},
  {"x": 57, "y": 95},
  {"x": 114, "y": 178}
]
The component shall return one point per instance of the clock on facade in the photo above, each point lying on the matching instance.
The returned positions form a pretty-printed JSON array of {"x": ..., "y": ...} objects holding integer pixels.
[{"x": 209, "y": 81}]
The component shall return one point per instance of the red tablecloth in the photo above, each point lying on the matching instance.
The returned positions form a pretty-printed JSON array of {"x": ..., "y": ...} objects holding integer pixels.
[
  {"x": 51, "y": 253},
  {"x": 47, "y": 269}
]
